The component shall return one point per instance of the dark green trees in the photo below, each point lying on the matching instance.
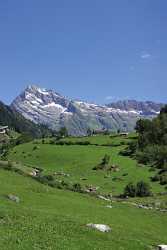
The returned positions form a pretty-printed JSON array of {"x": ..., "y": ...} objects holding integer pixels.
[
  {"x": 130, "y": 190},
  {"x": 152, "y": 139},
  {"x": 63, "y": 132},
  {"x": 141, "y": 189},
  {"x": 104, "y": 163}
]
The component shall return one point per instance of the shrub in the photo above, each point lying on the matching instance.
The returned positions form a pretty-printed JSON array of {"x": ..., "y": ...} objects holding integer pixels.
[
  {"x": 130, "y": 190},
  {"x": 105, "y": 160},
  {"x": 163, "y": 179},
  {"x": 143, "y": 189},
  {"x": 49, "y": 177},
  {"x": 104, "y": 163},
  {"x": 35, "y": 148},
  {"x": 77, "y": 187},
  {"x": 155, "y": 177}
]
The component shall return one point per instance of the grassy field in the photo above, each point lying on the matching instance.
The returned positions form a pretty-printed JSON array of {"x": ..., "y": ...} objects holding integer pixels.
[
  {"x": 78, "y": 161},
  {"x": 48, "y": 218}
]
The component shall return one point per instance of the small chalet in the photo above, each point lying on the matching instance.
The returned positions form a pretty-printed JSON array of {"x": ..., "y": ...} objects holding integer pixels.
[
  {"x": 3, "y": 129},
  {"x": 124, "y": 134}
]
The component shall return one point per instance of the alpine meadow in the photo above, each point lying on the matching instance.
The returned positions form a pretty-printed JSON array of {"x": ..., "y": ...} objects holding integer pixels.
[{"x": 83, "y": 125}]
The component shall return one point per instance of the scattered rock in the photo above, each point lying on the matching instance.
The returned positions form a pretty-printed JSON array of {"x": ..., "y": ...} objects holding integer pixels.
[
  {"x": 13, "y": 198},
  {"x": 34, "y": 172},
  {"x": 109, "y": 206},
  {"x": 114, "y": 168},
  {"x": 163, "y": 210},
  {"x": 100, "y": 227},
  {"x": 103, "y": 198},
  {"x": 91, "y": 189},
  {"x": 61, "y": 174},
  {"x": 144, "y": 207},
  {"x": 162, "y": 247}
]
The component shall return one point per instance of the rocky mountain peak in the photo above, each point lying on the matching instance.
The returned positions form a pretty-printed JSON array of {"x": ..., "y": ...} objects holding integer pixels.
[{"x": 50, "y": 108}]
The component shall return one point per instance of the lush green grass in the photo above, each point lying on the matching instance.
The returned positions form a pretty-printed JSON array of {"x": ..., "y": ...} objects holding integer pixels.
[
  {"x": 52, "y": 219},
  {"x": 47, "y": 218},
  {"x": 78, "y": 161}
]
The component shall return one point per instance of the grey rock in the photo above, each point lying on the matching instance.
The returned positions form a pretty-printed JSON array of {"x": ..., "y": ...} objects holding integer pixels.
[
  {"x": 162, "y": 247},
  {"x": 13, "y": 198},
  {"x": 100, "y": 227}
]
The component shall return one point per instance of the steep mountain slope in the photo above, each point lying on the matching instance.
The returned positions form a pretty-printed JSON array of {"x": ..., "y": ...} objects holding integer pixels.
[
  {"x": 52, "y": 109},
  {"x": 19, "y": 123}
]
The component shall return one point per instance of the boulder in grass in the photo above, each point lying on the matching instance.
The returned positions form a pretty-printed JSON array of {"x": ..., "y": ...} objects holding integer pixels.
[
  {"x": 100, "y": 227},
  {"x": 109, "y": 206},
  {"x": 103, "y": 198},
  {"x": 162, "y": 247},
  {"x": 13, "y": 198}
]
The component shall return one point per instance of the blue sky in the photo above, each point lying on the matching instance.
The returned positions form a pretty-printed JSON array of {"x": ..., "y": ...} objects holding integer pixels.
[{"x": 95, "y": 50}]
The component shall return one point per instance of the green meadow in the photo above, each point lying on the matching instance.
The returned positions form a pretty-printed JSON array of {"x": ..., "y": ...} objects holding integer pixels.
[
  {"x": 78, "y": 161},
  {"x": 48, "y": 218}
]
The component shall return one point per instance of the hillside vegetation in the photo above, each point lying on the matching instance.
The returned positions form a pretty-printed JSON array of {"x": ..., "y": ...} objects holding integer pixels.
[
  {"x": 58, "y": 189},
  {"x": 78, "y": 162},
  {"x": 151, "y": 145},
  {"x": 47, "y": 218}
]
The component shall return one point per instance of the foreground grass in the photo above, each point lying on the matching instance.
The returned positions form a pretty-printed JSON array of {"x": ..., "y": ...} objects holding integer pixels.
[{"x": 51, "y": 219}]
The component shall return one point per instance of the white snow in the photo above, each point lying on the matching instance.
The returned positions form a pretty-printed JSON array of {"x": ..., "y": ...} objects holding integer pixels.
[
  {"x": 34, "y": 102},
  {"x": 28, "y": 96},
  {"x": 43, "y": 91},
  {"x": 38, "y": 99},
  {"x": 55, "y": 105}
]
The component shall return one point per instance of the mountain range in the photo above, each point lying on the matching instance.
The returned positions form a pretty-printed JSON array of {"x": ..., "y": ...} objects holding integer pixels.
[{"x": 50, "y": 108}]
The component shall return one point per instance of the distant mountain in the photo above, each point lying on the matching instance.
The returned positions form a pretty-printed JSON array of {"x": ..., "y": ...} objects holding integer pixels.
[
  {"x": 19, "y": 123},
  {"x": 54, "y": 110},
  {"x": 146, "y": 108}
]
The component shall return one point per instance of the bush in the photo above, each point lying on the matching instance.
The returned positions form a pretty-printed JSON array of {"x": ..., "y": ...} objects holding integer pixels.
[
  {"x": 104, "y": 163},
  {"x": 49, "y": 177},
  {"x": 77, "y": 187},
  {"x": 155, "y": 177},
  {"x": 143, "y": 189},
  {"x": 24, "y": 138},
  {"x": 130, "y": 190},
  {"x": 35, "y": 148},
  {"x": 163, "y": 179},
  {"x": 105, "y": 160}
]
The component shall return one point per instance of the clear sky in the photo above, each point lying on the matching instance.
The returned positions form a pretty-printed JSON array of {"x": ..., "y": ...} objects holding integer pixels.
[{"x": 95, "y": 50}]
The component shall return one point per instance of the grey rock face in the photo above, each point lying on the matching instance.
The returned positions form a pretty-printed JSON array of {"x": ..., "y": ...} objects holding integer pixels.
[{"x": 54, "y": 110}]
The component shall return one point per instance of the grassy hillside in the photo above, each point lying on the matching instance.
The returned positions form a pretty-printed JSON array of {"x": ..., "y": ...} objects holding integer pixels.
[
  {"x": 78, "y": 161},
  {"x": 48, "y": 218}
]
